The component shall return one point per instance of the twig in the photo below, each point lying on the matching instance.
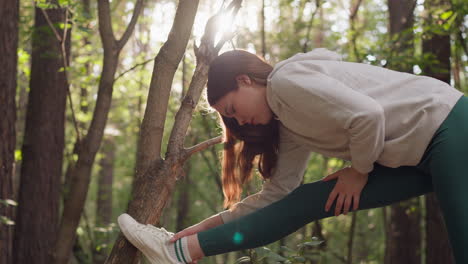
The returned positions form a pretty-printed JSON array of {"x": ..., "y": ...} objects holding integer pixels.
[
  {"x": 57, "y": 35},
  {"x": 134, "y": 66},
  {"x": 62, "y": 41}
]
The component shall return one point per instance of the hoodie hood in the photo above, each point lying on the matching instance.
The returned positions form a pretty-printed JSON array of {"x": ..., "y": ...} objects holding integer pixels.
[{"x": 316, "y": 54}]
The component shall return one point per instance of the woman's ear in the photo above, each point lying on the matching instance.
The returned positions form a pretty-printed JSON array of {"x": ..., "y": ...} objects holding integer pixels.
[{"x": 243, "y": 79}]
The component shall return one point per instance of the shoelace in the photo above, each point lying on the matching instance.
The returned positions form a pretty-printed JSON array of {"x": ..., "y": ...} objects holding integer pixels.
[{"x": 159, "y": 232}]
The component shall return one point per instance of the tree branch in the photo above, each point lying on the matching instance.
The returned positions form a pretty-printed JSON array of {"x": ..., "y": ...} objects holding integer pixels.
[
  {"x": 204, "y": 54},
  {"x": 165, "y": 66},
  {"x": 105, "y": 24},
  {"x": 134, "y": 67},
  {"x": 201, "y": 146},
  {"x": 131, "y": 25}
]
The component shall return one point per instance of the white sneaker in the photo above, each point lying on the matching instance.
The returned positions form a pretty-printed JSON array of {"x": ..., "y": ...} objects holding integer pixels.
[{"x": 150, "y": 240}]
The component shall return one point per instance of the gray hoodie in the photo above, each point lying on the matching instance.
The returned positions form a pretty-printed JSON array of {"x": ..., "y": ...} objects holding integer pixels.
[{"x": 353, "y": 111}]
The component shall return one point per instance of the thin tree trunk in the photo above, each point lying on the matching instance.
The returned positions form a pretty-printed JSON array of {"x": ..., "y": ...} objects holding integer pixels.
[
  {"x": 438, "y": 248},
  {"x": 89, "y": 145},
  {"x": 353, "y": 30},
  {"x": 184, "y": 186},
  {"x": 352, "y": 232},
  {"x": 305, "y": 47},
  {"x": 104, "y": 199},
  {"x": 184, "y": 199},
  {"x": 404, "y": 233},
  {"x": 401, "y": 21},
  {"x": 405, "y": 217},
  {"x": 8, "y": 46},
  {"x": 320, "y": 36},
  {"x": 262, "y": 23},
  {"x": 43, "y": 144},
  {"x": 106, "y": 177}
]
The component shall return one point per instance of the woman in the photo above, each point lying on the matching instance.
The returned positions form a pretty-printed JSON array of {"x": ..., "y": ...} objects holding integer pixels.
[{"x": 405, "y": 136}]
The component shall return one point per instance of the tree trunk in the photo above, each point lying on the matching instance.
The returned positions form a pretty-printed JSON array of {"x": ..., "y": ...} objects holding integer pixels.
[
  {"x": 403, "y": 237},
  {"x": 88, "y": 146},
  {"x": 354, "y": 32},
  {"x": 184, "y": 199},
  {"x": 104, "y": 200},
  {"x": 106, "y": 177},
  {"x": 320, "y": 35},
  {"x": 438, "y": 248},
  {"x": 8, "y": 46},
  {"x": 352, "y": 232},
  {"x": 404, "y": 233},
  {"x": 400, "y": 29},
  {"x": 155, "y": 178},
  {"x": 43, "y": 144},
  {"x": 151, "y": 187},
  {"x": 262, "y": 29}
]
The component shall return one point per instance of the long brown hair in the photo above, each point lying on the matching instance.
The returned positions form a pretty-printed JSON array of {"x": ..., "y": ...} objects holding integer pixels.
[{"x": 247, "y": 144}]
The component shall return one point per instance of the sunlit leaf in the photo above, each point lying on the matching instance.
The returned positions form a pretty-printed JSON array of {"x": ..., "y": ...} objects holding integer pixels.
[{"x": 5, "y": 220}]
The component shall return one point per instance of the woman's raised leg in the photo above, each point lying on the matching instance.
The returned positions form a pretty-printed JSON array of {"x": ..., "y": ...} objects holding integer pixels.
[{"x": 306, "y": 204}]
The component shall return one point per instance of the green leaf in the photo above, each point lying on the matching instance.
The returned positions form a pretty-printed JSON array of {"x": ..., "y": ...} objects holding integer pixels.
[
  {"x": 9, "y": 202},
  {"x": 446, "y": 15},
  {"x": 18, "y": 155},
  {"x": 5, "y": 220},
  {"x": 63, "y": 2},
  {"x": 43, "y": 5}
]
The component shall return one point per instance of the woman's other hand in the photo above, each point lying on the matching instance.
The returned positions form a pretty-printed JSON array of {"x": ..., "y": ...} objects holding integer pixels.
[{"x": 347, "y": 189}]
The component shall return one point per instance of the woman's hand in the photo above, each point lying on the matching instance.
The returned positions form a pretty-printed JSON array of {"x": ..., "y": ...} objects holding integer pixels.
[
  {"x": 208, "y": 223},
  {"x": 188, "y": 232},
  {"x": 347, "y": 189}
]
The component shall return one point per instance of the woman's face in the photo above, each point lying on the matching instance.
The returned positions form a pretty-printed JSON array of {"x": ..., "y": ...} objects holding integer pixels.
[{"x": 247, "y": 104}]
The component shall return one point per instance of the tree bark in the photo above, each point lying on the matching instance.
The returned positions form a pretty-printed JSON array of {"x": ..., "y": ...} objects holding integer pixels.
[
  {"x": 165, "y": 64},
  {"x": 352, "y": 232},
  {"x": 438, "y": 248},
  {"x": 104, "y": 200},
  {"x": 405, "y": 217},
  {"x": 401, "y": 21},
  {"x": 106, "y": 177},
  {"x": 89, "y": 145},
  {"x": 184, "y": 199},
  {"x": 155, "y": 178},
  {"x": 148, "y": 186},
  {"x": 262, "y": 29},
  {"x": 354, "y": 32},
  {"x": 43, "y": 144},
  {"x": 8, "y": 46},
  {"x": 404, "y": 233}
]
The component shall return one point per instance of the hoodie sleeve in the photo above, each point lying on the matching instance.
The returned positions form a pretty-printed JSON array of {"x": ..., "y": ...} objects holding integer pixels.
[
  {"x": 286, "y": 176},
  {"x": 335, "y": 107}
]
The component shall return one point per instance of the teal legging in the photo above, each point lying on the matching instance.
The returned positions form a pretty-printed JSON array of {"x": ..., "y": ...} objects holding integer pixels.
[{"x": 442, "y": 169}]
